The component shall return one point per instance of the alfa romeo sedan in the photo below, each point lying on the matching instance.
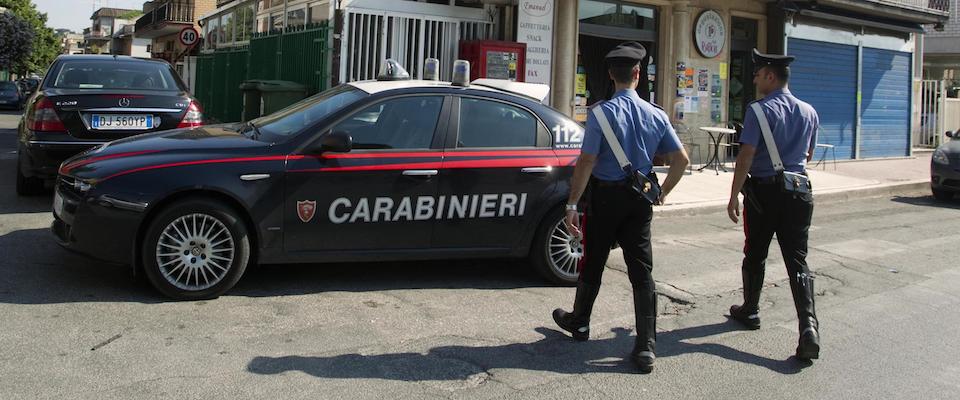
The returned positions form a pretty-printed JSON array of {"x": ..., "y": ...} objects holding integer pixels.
[
  {"x": 88, "y": 100},
  {"x": 385, "y": 170}
]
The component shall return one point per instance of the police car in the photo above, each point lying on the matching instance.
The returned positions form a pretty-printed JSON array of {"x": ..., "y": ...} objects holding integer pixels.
[{"x": 392, "y": 169}]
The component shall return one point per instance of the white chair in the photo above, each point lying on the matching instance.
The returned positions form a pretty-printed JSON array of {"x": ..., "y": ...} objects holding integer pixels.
[{"x": 826, "y": 148}]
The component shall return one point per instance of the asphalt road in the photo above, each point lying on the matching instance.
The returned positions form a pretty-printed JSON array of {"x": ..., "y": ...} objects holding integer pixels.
[{"x": 887, "y": 280}]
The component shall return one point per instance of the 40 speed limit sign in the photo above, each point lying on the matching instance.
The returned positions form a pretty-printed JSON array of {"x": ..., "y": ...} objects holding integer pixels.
[{"x": 189, "y": 36}]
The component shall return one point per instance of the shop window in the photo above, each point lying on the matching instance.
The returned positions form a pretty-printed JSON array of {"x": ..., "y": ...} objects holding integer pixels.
[
  {"x": 227, "y": 25},
  {"x": 616, "y": 15},
  {"x": 276, "y": 21},
  {"x": 264, "y": 4},
  {"x": 245, "y": 23},
  {"x": 486, "y": 123},
  {"x": 297, "y": 17},
  {"x": 213, "y": 32}
]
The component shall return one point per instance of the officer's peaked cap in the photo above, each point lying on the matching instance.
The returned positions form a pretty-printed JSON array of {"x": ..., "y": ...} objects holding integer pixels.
[
  {"x": 626, "y": 54},
  {"x": 761, "y": 60}
]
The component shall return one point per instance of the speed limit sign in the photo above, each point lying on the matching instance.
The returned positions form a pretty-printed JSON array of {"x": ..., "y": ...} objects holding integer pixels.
[{"x": 189, "y": 36}]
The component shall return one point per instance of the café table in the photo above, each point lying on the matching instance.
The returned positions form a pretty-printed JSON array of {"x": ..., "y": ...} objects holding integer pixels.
[{"x": 716, "y": 137}]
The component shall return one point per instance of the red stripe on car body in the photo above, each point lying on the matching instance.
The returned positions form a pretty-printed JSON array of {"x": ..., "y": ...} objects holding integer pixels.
[
  {"x": 74, "y": 165},
  {"x": 197, "y": 162}
]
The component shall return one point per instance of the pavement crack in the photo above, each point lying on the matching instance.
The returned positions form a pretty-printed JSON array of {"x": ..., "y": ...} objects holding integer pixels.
[{"x": 106, "y": 342}]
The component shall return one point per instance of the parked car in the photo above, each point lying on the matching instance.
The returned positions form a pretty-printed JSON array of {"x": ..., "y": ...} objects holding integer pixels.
[
  {"x": 88, "y": 100},
  {"x": 377, "y": 170},
  {"x": 945, "y": 168},
  {"x": 29, "y": 85},
  {"x": 10, "y": 96}
]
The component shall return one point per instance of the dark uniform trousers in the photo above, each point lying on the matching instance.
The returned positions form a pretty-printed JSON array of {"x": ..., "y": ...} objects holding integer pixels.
[
  {"x": 772, "y": 211},
  {"x": 617, "y": 214}
]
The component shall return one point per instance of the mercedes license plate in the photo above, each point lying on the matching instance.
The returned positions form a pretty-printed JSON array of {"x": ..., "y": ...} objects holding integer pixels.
[
  {"x": 105, "y": 122},
  {"x": 57, "y": 203}
]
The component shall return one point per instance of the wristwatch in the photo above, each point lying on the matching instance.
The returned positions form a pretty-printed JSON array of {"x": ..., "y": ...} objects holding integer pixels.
[{"x": 572, "y": 207}]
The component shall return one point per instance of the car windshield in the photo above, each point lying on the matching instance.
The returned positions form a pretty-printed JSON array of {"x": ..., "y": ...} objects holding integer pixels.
[
  {"x": 307, "y": 112},
  {"x": 113, "y": 74}
]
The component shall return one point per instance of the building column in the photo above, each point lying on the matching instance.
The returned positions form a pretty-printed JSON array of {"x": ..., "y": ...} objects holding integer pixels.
[
  {"x": 564, "y": 56},
  {"x": 682, "y": 36}
]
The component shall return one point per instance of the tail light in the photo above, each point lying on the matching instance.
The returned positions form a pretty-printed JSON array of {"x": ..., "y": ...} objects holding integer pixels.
[
  {"x": 45, "y": 118},
  {"x": 193, "y": 117}
]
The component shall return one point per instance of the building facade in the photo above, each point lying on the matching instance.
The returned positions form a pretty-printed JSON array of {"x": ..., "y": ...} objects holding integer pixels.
[
  {"x": 105, "y": 22},
  {"x": 162, "y": 22}
]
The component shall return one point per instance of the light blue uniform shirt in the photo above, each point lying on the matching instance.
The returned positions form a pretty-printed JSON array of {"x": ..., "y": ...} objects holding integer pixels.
[
  {"x": 794, "y": 125},
  {"x": 643, "y": 129}
]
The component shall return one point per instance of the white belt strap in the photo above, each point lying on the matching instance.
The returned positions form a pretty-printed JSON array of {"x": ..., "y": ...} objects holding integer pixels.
[
  {"x": 611, "y": 138},
  {"x": 768, "y": 137}
]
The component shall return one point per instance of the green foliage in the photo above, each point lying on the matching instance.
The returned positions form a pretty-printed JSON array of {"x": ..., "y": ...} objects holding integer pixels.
[
  {"x": 130, "y": 15},
  {"x": 16, "y": 41},
  {"x": 46, "y": 47}
]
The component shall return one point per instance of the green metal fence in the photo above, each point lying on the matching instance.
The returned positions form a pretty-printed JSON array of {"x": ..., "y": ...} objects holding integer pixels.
[{"x": 300, "y": 54}]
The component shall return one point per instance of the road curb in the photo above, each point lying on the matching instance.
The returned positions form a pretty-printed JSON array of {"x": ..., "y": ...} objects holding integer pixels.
[{"x": 829, "y": 196}]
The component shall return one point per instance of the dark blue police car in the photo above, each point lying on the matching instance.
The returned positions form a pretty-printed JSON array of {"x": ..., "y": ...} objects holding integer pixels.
[{"x": 393, "y": 169}]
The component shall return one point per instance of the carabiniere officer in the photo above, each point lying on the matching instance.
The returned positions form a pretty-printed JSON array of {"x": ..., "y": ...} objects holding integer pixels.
[
  {"x": 768, "y": 209},
  {"x": 616, "y": 213}
]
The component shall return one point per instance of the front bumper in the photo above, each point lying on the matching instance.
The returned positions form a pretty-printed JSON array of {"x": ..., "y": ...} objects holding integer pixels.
[
  {"x": 94, "y": 225},
  {"x": 946, "y": 177}
]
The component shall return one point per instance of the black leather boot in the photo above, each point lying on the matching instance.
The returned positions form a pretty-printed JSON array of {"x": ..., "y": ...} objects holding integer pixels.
[
  {"x": 748, "y": 313},
  {"x": 644, "y": 349},
  {"x": 578, "y": 321},
  {"x": 801, "y": 284}
]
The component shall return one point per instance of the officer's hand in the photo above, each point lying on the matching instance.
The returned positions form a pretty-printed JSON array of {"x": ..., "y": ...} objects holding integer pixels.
[
  {"x": 662, "y": 200},
  {"x": 733, "y": 209},
  {"x": 573, "y": 223}
]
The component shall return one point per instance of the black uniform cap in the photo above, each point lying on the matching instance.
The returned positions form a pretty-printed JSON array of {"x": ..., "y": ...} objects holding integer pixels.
[
  {"x": 761, "y": 60},
  {"x": 626, "y": 54}
]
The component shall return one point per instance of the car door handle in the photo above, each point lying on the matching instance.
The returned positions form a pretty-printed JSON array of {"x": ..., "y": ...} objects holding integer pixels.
[
  {"x": 536, "y": 170},
  {"x": 420, "y": 172}
]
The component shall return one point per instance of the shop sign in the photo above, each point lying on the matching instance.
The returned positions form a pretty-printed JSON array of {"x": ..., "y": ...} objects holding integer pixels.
[
  {"x": 535, "y": 28},
  {"x": 710, "y": 33}
]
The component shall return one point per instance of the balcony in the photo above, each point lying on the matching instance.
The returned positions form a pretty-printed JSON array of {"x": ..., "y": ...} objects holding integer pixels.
[
  {"x": 166, "y": 19},
  {"x": 95, "y": 35}
]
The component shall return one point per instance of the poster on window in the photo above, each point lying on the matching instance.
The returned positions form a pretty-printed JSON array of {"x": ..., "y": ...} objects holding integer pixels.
[{"x": 535, "y": 28}]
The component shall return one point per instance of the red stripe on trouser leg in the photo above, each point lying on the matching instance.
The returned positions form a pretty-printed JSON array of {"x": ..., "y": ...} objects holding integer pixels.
[{"x": 583, "y": 243}]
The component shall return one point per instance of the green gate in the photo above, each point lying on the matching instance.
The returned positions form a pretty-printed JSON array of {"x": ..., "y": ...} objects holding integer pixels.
[{"x": 299, "y": 54}]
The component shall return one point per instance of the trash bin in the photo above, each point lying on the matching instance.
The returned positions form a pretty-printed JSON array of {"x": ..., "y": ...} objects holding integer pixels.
[
  {"x": 251, "y": 100},
  {"x": 263, "y": 97}
]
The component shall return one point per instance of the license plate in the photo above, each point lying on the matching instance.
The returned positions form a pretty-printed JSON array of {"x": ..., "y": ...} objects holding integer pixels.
[
  {"x": 57, "y": 203},
  {"x": 106, "y": 122}
]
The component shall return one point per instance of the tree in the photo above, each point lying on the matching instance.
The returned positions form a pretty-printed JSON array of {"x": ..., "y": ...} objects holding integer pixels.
[
  {"x": 16, "y": 41},
  {"x": 46, "y": 47}
]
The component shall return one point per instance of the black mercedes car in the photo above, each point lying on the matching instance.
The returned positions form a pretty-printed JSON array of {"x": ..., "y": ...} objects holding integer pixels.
[
  {"x": 945, "y": 168},
  {"x": 367, "y": 171},
  {"x": 88, "y": 100}
]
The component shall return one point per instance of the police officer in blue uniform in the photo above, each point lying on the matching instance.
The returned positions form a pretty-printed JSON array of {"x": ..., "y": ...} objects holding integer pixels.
[
  {"x": 617, "y": 213},
  {"x": 770, "y": 209}
]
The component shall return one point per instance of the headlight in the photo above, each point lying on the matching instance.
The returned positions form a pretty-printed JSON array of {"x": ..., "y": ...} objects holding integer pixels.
[
  {"x": 940, "y": 157},
  {"x": 82, "y": 186}
]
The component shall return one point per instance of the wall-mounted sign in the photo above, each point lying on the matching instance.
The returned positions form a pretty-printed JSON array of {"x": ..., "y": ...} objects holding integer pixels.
[
  {"x": 710, "y": 33},
  {"x": 535, "y": 28}
]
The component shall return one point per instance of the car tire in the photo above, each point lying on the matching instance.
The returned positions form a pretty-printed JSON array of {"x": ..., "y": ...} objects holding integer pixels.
[
  {"x": 28, "y": 186},
  {"x": 942, "y": 195},
  {"x": 215, "y": 245},
  {"x": 549, "y": 257}
]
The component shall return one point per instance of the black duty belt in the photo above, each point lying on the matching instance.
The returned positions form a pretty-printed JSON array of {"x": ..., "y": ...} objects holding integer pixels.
[
  {"x": 767, "y": 180},
  {"x": 603, "y": 183}
]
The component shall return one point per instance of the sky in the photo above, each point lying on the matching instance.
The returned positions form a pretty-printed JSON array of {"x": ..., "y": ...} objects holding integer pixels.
[{"x": 75, "y": 14}]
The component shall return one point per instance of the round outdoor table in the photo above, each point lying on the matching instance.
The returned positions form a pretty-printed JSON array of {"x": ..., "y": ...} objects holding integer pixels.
[{"x": 716, "y": 136}]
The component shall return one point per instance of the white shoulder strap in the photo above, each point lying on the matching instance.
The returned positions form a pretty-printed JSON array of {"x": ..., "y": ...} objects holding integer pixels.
[
  {"x": 611, "y": 138},
  {"x": 768, "y": 137}
]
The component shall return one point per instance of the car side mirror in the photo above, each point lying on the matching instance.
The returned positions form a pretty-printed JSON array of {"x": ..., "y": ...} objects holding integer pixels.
[
  {"x": 950, "y": 134},
  {"x": 335, "y": 142}
]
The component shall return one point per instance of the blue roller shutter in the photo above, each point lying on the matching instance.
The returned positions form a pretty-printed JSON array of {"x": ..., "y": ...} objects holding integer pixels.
[
  {"x": 825, "y": 75},
  {"x": 885, "y": 115}
]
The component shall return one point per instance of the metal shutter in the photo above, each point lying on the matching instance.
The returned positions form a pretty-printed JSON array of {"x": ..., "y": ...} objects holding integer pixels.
[
  {"x": 885, "y": 115},
  {"x": 825, "y": 75}
]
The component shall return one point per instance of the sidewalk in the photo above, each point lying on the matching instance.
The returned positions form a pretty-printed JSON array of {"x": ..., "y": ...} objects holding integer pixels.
[{"x": 704, "y": 191}]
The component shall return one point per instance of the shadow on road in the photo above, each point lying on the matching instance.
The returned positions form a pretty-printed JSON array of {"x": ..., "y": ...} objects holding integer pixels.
[
  {"x": 928, "y": 201},
  {"x": 35, "y": 270},
  {"x": 555, "y": 352},
  {"x": 14, "y": 113}
]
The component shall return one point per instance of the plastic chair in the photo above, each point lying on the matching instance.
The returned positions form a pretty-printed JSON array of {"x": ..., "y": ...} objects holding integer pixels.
[
  {"x": 687, "y": 141},
  {"x": 826, "y": 148},
  {"x": 732, "y": 140}
]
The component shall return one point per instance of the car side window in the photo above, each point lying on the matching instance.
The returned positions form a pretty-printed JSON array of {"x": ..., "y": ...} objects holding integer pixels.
[
  {"x": 485, "y": 123},
  {"x": 400, "y": 123}
]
